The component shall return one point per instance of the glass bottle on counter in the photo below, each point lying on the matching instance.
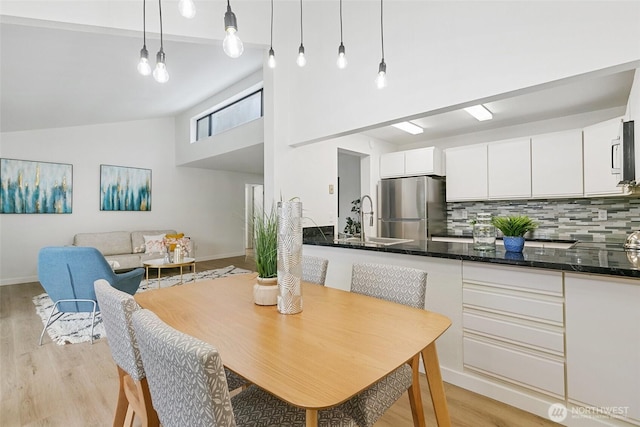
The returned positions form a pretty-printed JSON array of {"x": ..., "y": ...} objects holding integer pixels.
[{"x": 484, "y": 233}]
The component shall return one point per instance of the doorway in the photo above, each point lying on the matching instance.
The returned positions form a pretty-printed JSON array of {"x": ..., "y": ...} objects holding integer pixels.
[
  {"x": 349, "y": 187},
  {"x": 253, "y": 204}
]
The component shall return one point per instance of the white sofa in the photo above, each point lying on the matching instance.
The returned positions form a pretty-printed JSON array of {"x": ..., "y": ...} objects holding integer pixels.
[{"x": 126, "y": 248}]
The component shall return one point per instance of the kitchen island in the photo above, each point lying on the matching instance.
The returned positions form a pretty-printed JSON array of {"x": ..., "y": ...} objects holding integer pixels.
[{"x": 548, "y": 326}]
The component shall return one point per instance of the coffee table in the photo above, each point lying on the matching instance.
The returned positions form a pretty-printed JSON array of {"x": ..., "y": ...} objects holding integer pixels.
[{"x": 160, "y": 263}]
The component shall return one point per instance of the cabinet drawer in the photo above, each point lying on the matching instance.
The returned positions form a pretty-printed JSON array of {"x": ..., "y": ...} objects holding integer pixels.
[
  {"x": 522, "y": 368},
  {"x": 515, "y": 305},
  {"x": 530, "y": 280},
  {"x": 517, "y": 333}
]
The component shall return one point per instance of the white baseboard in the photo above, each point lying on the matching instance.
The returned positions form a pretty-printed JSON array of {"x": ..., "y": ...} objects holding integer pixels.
[{"x": 18, "y": 280}]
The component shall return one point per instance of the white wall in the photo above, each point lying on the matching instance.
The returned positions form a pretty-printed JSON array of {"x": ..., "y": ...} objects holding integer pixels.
[
  {"x": 311, "y": 169},
  {"x": 206, "y": 205}
]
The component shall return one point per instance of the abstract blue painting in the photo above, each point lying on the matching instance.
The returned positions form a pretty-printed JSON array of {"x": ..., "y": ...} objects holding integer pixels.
[
  {"x": 125, "y": 189},
  {"x": 35, "y": 187}
]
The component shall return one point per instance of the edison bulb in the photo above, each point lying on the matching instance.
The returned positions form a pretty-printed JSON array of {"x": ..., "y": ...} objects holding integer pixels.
[
  {"x": 160, "y": 73},
  {"x": 271, "y": 62},
  {"x": 342, "y": 59},
  {"x": 381, "y": 79},
  {"x": 187, "y": 8},
  {"x": 301, "y": 60},
  {"x": 143, "y": 66},
  {"x": 232, "y": 45}
]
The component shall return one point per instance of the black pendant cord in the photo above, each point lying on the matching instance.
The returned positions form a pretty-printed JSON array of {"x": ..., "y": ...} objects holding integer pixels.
[
  {"x": 382, "y": 29},
  {"x": 144, "y": 23},
  {"x": 340, "y": 21},
  {"x": 301, "y": 34},
  {"x": 271, "y": 42},
  {"x": 160, "y": 9}
]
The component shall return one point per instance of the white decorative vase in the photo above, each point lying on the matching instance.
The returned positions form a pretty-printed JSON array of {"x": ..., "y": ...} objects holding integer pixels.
[
  {"x": 265, "y": 291},
  {"x": 289, "y": 257}
]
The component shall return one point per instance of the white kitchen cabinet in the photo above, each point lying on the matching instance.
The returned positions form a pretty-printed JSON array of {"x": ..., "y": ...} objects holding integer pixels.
[
  {"x": 600, "y": 156},
  {"x": 556, "y": 165},
  {"x": 421, "y": 161},
  {"x": 603, "y": 342},
  {"x": 513, "y": 325},
  {"x": 509, "y": 169},
  {"x": 467, "y": 173},
  {"x": 392, "y": 164}
]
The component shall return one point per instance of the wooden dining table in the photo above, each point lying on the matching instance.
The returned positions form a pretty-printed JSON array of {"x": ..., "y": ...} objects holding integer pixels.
[{"x": 339, "y": 345}]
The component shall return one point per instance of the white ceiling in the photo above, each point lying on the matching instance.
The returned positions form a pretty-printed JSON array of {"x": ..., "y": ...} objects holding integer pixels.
[{"x": 58, "y": 77}]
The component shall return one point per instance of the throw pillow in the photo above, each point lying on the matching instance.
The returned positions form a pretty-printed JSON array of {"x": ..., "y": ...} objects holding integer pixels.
[
  {"x": 154, "y": 243},
  {"x": 173, "y": 239}
]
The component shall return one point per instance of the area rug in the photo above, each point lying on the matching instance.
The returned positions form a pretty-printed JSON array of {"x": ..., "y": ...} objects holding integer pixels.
[{"x": 73, "y": 328}]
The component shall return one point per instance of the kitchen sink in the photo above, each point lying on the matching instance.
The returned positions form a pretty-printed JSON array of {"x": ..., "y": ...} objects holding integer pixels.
[{"x": 380, "y": 241}]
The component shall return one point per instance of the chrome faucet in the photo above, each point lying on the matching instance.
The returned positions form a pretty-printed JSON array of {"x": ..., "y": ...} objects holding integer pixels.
[{"x": 363, "y": 213}]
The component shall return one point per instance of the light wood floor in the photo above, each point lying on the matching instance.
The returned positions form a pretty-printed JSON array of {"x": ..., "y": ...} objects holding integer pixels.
[{"x": 76, "y": 384}]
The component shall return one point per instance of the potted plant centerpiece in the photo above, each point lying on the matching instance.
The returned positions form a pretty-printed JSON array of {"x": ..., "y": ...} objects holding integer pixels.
[
  {"x": 513, "y": 229},
  {"x": 265, "y": 247}
]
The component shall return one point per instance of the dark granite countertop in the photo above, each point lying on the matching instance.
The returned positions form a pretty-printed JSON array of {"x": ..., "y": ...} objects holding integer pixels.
[{"x": 583, "y": 258}]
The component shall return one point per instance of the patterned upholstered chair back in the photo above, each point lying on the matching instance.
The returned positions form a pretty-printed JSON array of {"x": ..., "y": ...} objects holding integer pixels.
[
  {"x": 117, "y": 307},
  {"x": 314, "y": 269},
  {"x": 185, "y": 375},
  {"x": 403, "y": 285}
]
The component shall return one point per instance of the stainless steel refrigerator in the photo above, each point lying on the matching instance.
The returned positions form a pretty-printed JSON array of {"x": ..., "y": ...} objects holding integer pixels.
[{"x": 411, "y": 208}]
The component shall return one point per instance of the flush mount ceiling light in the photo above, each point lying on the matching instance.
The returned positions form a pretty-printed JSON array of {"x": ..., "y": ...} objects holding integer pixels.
[
  {"x": 160, "y": 73},
  {"x": 232, "y": 45},
  {"x": 272, "y": 56},
  {"x": 301, "y": 60},
  {"x": 342, "y": 59},
  {"x": 480, "y": 112},
  {"x": 408, "y": 127},
  {"x": 187, "y": 8},
  {"x": 381, "y": 79},
  {"x": 143, "y": 66}
]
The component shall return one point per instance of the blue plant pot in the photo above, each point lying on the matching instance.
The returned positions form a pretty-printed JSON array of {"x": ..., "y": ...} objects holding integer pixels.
[{"x": 513, "y": 244}]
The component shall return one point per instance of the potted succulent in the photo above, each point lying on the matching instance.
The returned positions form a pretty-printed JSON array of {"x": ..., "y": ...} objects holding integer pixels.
[
  {"x": 265, "y": 247},
  {"x": 513, "y": 229}
]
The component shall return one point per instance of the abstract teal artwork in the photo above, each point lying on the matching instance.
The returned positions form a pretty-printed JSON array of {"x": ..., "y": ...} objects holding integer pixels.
[
  {"x": 124, "y": 188},
  {"x": 28, "y": 187}
]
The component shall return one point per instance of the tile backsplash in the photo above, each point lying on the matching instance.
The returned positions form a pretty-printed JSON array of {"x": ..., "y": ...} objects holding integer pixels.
[{"x": 571, "y": 219}]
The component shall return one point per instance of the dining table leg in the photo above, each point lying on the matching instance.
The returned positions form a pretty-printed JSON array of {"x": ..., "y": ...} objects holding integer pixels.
[
  {"x": 436, "y": 387},
  {"x": 415, "y": 398},
  {"x": 312, "y": 418}
]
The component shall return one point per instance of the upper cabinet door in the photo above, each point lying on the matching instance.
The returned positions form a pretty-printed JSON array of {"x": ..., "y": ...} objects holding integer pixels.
[
  {"x": 423, "y": 161},
  {"x": 510, "y": 169},
  {"x": 602, "y": 153},
  {"x": 466, "y": 173},
  {"x": 556, "y": 164},
  {"x": 392, "y": 164}
]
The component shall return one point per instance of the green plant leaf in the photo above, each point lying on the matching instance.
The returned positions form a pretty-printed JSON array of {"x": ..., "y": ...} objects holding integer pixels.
[{"x": 514, "y": 226}]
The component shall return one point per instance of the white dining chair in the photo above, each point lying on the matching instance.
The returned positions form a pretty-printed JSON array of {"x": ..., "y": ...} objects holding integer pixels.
[
  {"x": 394, "y": 283},
  {"x": 189, "y": 388}
]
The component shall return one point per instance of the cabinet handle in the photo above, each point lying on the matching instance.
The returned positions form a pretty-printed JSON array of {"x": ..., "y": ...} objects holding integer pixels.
[{"x": 615, "y": 156}]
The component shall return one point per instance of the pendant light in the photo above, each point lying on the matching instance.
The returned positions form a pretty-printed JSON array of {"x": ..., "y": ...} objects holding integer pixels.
[
  {"x": 160, "y": 73},
  {"x": 301, "y": 60},
  {"x": 232, "y": 45},
  {"x": 342, "y": 59},
  {"x": 187, "y": 8},
  {"x": 271, "y": 62},
  {"x": 381, "y": 79},
  {"x": 143, "y": 66}
]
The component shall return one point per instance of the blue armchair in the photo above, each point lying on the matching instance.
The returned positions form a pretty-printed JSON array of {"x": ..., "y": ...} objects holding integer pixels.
[{"x": 67, "y": 274}]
